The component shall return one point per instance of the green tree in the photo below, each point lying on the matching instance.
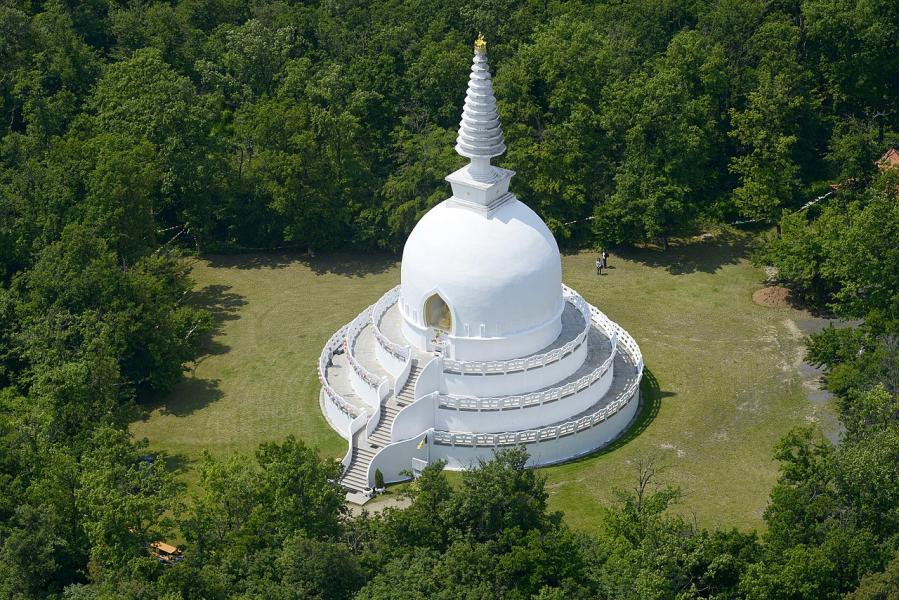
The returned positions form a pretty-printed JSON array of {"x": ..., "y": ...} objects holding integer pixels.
[
  {"x": 665, "y": 118},
  {"x": 879, "y": 586},
  {"x": 549, "y": 95},
  {"x": 500, "y": 494},
  {"x": 299, "y": 489},
  {"x": 310, "y": 568},
  {"x": 143, "y": 98},
  {"x": 769, "y": 175},
  {"x": 770, "y": 125},
  {"x": 855, "y": 146},
  {"x": 123, "y": 498}
]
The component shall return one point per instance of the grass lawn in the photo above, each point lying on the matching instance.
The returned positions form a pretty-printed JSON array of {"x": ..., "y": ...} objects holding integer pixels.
[{"x": 726, "y": 370}]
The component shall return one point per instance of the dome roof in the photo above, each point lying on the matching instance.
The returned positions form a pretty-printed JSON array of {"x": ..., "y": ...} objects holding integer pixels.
[
  {"x": 481, "y": 272},
  {"x": 500, "y": 270}
]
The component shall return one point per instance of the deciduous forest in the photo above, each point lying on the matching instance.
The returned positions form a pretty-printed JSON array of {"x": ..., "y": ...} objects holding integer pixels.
[{"x": 135, "y": 133}]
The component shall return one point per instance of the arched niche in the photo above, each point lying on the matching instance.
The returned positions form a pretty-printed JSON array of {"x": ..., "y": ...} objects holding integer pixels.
[{"x": 437, "y": 313}]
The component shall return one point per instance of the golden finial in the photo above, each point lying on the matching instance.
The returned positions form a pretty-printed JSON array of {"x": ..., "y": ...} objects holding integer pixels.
[{"x": 480, "y": 44}]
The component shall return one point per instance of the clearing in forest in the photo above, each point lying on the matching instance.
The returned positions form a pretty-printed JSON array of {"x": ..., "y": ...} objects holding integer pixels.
[{"x": 723, "y": 373}]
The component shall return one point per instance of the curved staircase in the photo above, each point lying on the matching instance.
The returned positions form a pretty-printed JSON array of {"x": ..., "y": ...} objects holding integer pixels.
[{"x": 355, "y": 478}]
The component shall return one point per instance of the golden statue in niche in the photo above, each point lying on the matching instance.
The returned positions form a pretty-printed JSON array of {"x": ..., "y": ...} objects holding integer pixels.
[{"x": 437, "y": 313}]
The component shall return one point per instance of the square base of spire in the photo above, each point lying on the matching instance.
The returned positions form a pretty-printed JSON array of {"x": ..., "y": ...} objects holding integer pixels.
[
  {"x": 486, "y": 194},
  {"x": 486, "y": 209}
]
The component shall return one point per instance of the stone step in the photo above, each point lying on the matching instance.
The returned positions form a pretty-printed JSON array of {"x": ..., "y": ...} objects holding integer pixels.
[
  {"x": 360, "y": 474},
  {"x": 407, "y": 394},
  {"x": 356, "y": 475},
  {"x": 357, "y": 485},
  {"x": 359, "y": 471}
]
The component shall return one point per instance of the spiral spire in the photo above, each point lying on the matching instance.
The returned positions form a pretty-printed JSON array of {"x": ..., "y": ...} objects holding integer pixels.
[{"x": 480, "y": 135}]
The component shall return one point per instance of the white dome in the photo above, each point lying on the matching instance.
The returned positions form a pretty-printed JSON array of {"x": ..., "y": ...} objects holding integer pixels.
[{"x": 500, "y": 275}]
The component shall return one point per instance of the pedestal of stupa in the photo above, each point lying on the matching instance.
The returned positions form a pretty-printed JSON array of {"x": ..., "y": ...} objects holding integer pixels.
[{"x": 481, "y": 346}]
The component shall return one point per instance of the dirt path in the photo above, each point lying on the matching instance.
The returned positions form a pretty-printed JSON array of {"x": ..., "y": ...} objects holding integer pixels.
[{"x": 378, "y": 504}]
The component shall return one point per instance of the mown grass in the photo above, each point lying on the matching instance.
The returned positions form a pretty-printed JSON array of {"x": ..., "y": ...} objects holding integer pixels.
[{"x": 722, "y": 382}]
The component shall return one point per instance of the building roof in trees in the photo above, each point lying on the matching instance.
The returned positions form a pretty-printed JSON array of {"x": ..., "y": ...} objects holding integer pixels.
[{"x": 889, "y": 160}]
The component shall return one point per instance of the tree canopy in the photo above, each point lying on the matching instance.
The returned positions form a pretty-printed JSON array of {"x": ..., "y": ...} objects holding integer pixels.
[{"x": 137, "y": 134}]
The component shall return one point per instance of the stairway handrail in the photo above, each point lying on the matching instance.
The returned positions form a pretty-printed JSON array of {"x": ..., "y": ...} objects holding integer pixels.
[{"x": 353, "y": 330}]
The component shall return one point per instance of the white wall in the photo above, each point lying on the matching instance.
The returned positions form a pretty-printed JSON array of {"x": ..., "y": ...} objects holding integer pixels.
[
  {"x": 368, "y": 394},
  {"x": 397, "y": 457},
  {"x": 415, "y": 335},
  {"x": 357, "y": 424},
  {"x": 546, "y": 452},
  {"x": 415, "y": 418},
  {"x": 339, "y": 420},
  {"x": 530, "y": 417},
  {"x": 489, "y": 346},
  {"x": 403, "y": 376},
  {"x": 503, "y": 347},
  {"x": 485, "y": 386},
  {"x": 383, "y": 391},
  {"x": 391, "y": 363},
  {"x": 430, "y": 379}
]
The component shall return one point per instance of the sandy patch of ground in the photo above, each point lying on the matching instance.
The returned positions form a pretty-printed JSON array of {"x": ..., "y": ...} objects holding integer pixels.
[
  {"x": 774, "y": 296},
  {"x": 380, "y": 503}
]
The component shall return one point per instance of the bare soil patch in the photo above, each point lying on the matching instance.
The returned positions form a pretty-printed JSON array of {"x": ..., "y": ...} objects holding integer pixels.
[{"x": 774, "y": 296}]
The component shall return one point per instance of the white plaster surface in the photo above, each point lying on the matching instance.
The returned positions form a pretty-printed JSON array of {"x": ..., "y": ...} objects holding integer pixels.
[
  {"x": 515, "y": 367},
  {"x": 503, "y": 272}
]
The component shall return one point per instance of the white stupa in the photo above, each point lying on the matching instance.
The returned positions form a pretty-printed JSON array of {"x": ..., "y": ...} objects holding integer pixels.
[{"x": 481, "y": 346}]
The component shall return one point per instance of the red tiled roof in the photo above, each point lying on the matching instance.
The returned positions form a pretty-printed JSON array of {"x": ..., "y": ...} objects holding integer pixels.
[{"x": 889, "y": 160}]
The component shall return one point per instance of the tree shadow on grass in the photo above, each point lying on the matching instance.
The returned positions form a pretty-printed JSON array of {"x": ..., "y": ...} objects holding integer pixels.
[
  {"x": 254, "y": 260},
  {"x": 691, "y": 256},
  {"x": 352, "y": 265},
  {"x": 339, "y": 263},
  {"x": 224, "y": 305},
  {"x": 189, "y": 395},
  {"x": 177, "y": 463},
  {"x": 650, "y": 403}
]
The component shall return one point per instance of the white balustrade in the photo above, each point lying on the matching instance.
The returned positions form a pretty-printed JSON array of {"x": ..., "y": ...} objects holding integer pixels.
[
  {"x": 480, "y": 367},
  {"x": 347, "y": 335},
  {"x": 617, "y": 335},
  {"x": 353, "y": 330},
  {"x": 378, "y": 310},
  {"x": 534, "y": 399},
  {"x": 337, "y": 340}
]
